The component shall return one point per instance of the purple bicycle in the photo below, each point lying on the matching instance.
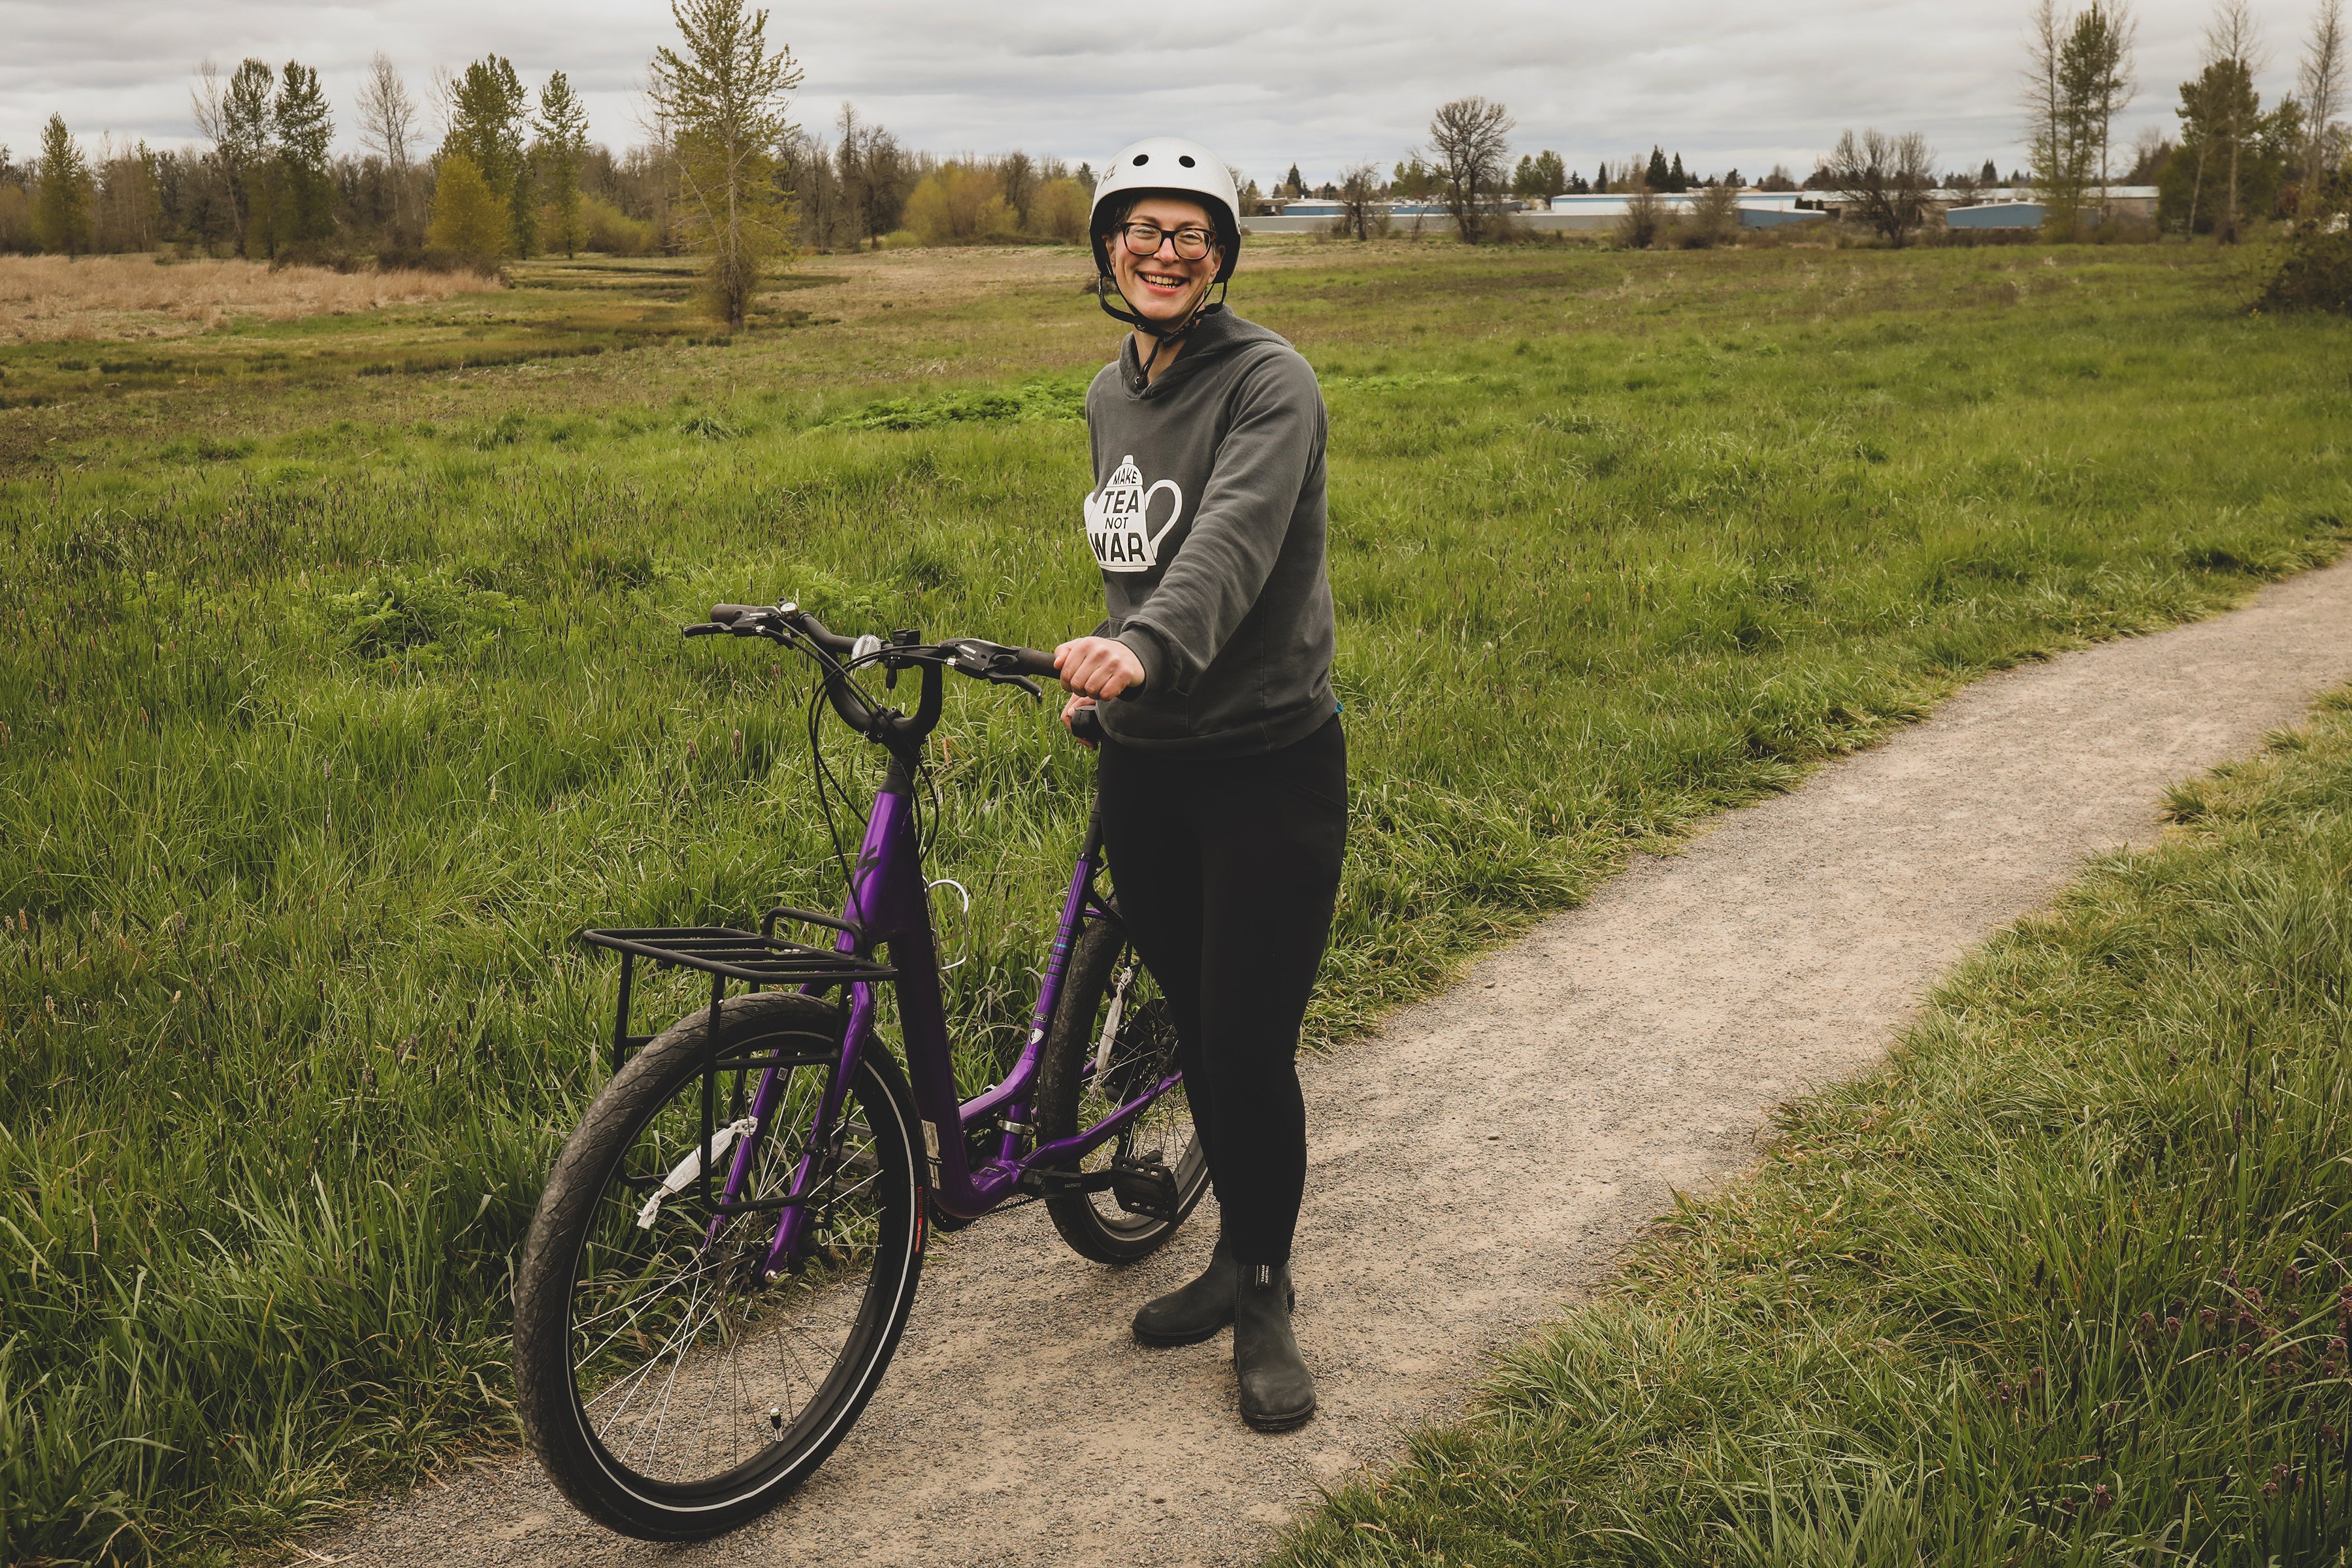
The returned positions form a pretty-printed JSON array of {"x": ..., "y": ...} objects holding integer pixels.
[{"x": 727, "y": 1249}]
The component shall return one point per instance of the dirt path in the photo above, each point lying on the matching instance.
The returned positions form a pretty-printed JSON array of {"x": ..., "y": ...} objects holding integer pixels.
[{"x": 1483, "y": 1157}]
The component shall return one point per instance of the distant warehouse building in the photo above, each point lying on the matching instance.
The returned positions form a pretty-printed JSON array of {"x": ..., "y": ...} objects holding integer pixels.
[
  {"x": 2025, "y": 209},
  {"x": 2018, "y": 208},
  {"x": 1996, "y": 215}
]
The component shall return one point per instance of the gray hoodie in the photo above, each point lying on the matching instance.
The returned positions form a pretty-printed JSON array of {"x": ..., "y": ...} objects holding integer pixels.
[{"x": 1207, "y": 519}]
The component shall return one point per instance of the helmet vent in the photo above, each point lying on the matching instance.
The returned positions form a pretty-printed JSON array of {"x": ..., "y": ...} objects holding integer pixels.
[
  {"x": 1185, "y": 159},
  {"x": 1141, "y": 159}
]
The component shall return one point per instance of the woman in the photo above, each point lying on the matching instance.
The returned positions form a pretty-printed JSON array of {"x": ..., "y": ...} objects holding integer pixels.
[{"x": 1223, "y": 774}]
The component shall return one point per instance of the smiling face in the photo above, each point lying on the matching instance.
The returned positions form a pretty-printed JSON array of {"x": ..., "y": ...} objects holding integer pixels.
[{"x": 1164, "y": 286}]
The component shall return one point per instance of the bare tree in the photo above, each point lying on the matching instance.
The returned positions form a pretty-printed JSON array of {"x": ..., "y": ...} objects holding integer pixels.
[
  {"x": 1646, "y": 219},
  {"x": 1884, "y": 179},
  {"x": 2234, "y": 40},
  {"x": 205, "y": 99},
  {"x": 2320, "y": 83},
  {"x": 388, "y": 125},
  {"x": 1360, "y": 214},
  {"x": 2101, "y": 58},
  {"x": 1713, "y": 218},
  {"x": 1471, "y": 139},
  {"x": 2048, "y": 127}
]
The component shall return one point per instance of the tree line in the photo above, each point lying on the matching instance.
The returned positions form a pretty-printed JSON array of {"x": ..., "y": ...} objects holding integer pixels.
[
  {"x": 2231, "y": 160},
  {"x": 512, "y": 173}
]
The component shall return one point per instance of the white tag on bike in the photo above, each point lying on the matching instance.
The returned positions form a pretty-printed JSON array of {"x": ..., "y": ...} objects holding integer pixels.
[
  {"x": 1111, "y": 1021},
  {"x": 684, "y": 1172}
]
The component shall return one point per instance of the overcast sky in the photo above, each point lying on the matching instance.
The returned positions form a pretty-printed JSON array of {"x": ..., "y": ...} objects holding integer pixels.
[{"x": 1727, "y": 82}]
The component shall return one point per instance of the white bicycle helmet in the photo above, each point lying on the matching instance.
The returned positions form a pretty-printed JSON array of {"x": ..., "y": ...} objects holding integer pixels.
[{"x": 1177, "y": 167}]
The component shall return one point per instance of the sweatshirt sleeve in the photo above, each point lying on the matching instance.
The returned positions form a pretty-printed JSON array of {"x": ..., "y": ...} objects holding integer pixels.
[{"x": 1237, "y": 532}]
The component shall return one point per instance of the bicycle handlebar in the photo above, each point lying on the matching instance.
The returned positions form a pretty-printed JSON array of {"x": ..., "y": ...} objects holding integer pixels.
[{"x": 973, "y": 657}]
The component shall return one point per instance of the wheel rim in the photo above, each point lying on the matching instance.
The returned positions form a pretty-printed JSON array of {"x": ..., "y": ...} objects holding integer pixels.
[
  {"x": 1141, "y": 1050},
  {"x": 690, "y": 1374}
]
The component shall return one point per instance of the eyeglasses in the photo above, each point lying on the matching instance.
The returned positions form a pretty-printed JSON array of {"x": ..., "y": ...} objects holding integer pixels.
[{"x": 1143, "y": 238}]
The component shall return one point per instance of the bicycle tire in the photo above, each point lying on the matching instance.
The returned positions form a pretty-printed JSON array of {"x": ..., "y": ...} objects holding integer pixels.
[
  {"x": 1096, "y": 1224},
  {"x": 735, "y": 1345}
]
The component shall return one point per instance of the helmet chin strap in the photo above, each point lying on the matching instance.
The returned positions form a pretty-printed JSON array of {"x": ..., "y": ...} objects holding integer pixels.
[{"x": 1162, "y": 333}]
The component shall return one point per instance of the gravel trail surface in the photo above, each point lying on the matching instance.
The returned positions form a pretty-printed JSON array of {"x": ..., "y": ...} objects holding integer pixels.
[{"x": 1482, "y": 1158}]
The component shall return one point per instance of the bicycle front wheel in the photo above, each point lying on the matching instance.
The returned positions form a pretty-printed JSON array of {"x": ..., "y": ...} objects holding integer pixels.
[
  {"x": 671, "y": 1389},
  {"x": 1111, "y": 1040}
]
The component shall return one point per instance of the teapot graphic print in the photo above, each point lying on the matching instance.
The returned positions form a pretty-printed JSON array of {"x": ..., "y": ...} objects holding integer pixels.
[{"x": 1118, "y": 527}]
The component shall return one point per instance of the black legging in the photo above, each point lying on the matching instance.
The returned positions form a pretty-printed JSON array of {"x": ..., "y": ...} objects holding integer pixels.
[{"x": 1226, "y": 871}]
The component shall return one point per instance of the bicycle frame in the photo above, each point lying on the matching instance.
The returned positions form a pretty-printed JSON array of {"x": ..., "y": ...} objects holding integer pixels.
[{"x": 889, "y": 906}]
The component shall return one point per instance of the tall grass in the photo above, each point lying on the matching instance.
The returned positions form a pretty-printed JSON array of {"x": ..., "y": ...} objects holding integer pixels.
[
  {"x": 2068, "y": 1282},
  {"x": 316, "y": 749},
  {"x": 51, "y": 298}
]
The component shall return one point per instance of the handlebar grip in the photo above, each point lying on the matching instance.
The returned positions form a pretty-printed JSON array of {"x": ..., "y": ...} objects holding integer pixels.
[
  {"x": 1029, "y": 661},
  {"x": 1086, "y": 724},
  {"x": 727, "y": 614}
]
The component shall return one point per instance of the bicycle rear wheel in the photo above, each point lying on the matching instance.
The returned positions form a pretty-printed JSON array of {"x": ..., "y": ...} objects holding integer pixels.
[
  {"x": 1111, "y": 1040},
  {"x": 670, "y": 1390}
]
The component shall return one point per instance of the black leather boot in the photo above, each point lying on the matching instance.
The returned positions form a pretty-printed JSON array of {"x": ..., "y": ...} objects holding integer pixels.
[
  {"x": 1189, "y": 1315},
  {"x": 1277, "y": 1391}
]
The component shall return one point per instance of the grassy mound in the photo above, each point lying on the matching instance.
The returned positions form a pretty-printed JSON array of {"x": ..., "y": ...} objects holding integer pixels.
[{"x": 2066, "y": 1282}]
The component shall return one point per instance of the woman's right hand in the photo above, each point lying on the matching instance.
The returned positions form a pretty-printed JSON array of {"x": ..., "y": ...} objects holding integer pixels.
[{"x": 1098, "y": 666}]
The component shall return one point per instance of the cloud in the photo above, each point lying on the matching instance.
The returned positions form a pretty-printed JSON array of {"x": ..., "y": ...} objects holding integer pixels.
[{"x": 1321, "y": 84}]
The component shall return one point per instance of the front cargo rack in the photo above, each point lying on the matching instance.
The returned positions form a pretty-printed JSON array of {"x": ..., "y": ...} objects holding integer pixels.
[{"x": 754, "y": 958}]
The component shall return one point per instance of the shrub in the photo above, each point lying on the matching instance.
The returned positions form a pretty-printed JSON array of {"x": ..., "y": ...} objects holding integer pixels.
[
  {"x": 606, "y": 228},
  {"x": 468, "y": 217},
  {"x": 958, "y": 205},
  {"x": 2315, "y": 270},
  {"x": 1646, "y": 220},
  {"x": 1059, "y": 211},
  {"x": 1714, "y": 219}
]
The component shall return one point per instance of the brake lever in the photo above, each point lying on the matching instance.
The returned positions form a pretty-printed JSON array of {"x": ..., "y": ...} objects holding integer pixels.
[
  {"x": 703, "y": 629},
  {"x": 1024, "y": 682}
]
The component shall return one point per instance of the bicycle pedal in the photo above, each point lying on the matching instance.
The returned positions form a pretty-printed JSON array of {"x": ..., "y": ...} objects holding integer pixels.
[{"x": 1147, "y": 1188}]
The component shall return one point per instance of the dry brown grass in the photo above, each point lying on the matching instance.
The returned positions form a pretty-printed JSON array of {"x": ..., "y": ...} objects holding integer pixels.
[{"x": 46, "y": 298}]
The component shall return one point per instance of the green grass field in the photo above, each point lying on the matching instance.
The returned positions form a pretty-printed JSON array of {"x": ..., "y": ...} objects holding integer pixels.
[
  {"x": 2067, "y": 1282},
  {"x": 332, "y": 705}
]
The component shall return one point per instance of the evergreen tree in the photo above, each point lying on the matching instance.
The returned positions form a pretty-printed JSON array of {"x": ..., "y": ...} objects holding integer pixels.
[
  {"x": 2233, "y": 156},
  {"x": 562, "y": 150},
  {"x": 1992, "y": 174},
  {"x": 469, "y": 217},
  {"x": 489, "y": 110},
  {"x": 61, "y": 200},
  {"x": 244, "y": 146},
  {"x": 305, "y": 186},
  {"x": 1656, "y": 176},
  {"x": 1676, "y": 179},
  {"x": 1291, "y": 183}
]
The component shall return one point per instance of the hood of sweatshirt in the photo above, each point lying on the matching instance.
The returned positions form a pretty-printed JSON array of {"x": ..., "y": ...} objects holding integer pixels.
[{"x": 1213, "y": 338}]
